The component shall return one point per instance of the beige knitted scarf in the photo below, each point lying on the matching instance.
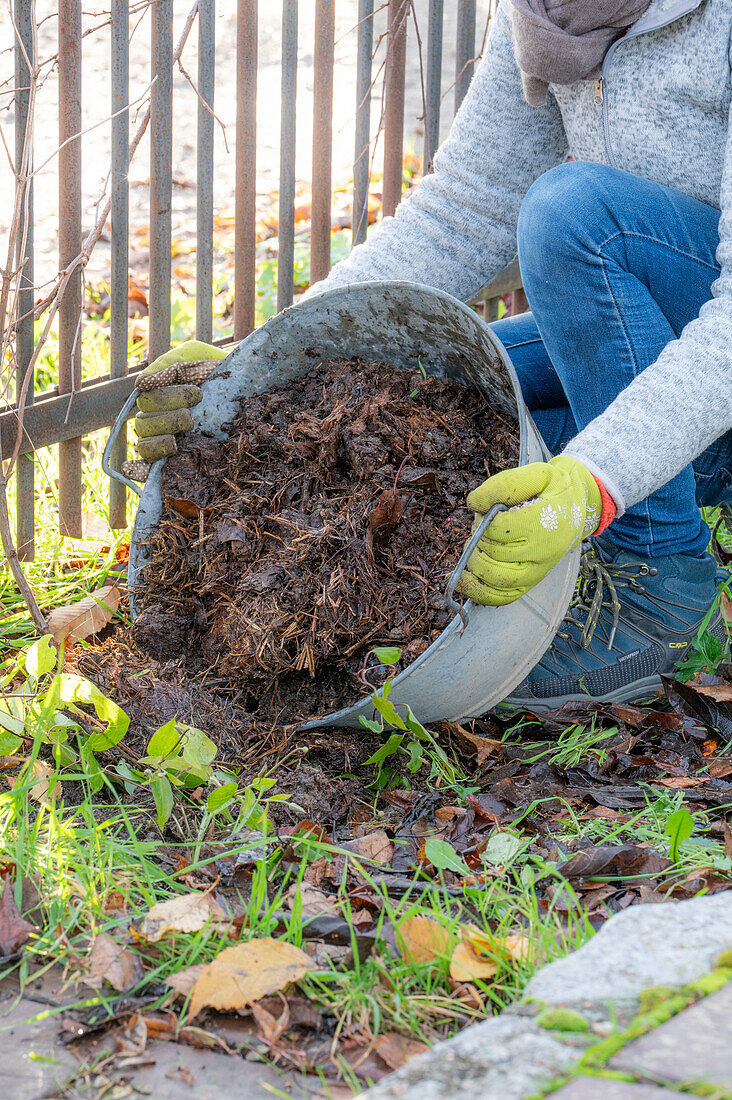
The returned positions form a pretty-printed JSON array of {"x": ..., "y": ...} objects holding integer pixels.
[{"x": 560, "y": 41}]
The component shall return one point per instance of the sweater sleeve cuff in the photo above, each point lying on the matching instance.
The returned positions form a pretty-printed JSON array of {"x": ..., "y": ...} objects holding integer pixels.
[
  {"x": 609, "y": 511},
  {"x": 603, "y": 480}
]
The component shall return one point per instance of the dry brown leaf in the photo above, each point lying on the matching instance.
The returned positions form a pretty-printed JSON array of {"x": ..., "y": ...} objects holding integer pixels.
[
  {"x": 185, "y": 913},
  {"x": 242, "y": 974},
  {"x": 484, "y": 746},
  {"x": 314, "y": 901},
  {"x": 40, "y": 775},
  {"x": 80, "y": 620},
  {"x": 678, "y": 782},
  {"x": 112, "y": 962},
  {"x": 271, "y": 1027},
  {"x": 14, "y": 930},
  {"x": 422, "y": 939},
  {"x": 396, "y": 1050},
  {"x": 183, "y": 981},
  {"x": 374, "y": 846},
  {"x": 467, "y": 965},
  {"x": 727, "y": 607}
]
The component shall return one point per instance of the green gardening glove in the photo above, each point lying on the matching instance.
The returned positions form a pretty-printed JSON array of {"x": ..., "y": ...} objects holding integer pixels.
[
  {"x": 553, "y": 506},
  {"x": 169, "y": 388}
]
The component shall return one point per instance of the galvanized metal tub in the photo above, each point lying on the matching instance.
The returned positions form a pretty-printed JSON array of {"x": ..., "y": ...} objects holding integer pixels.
[{"x": 478, "y": 660}]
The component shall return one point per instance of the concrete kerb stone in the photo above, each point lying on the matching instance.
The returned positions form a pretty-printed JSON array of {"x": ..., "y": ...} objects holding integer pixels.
[
  {"x": 510, "y": 1057},
  {"x": 507, "y": 1057},
  {"x": 671, "y": 945}
]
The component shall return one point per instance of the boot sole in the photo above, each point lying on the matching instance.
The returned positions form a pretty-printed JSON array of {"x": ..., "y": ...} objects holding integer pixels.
[{"x": 637, "y": 692}]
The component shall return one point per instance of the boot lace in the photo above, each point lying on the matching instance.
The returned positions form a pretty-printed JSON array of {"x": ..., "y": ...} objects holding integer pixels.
[{"x": 597, "y": 588}]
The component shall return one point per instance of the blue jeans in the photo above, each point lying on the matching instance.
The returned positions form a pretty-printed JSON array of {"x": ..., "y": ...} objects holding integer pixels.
[{"x": 614, "y": 268}]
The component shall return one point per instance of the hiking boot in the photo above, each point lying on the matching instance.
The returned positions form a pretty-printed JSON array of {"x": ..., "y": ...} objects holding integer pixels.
[{"x": 630, "y": 622}]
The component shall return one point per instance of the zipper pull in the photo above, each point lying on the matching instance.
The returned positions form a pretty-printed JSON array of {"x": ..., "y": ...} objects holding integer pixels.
[{"x": 600, "y": 91}]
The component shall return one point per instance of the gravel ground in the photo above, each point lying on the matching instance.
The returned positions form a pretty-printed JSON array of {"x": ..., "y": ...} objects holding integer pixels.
[{"x": 96, "y": 98}]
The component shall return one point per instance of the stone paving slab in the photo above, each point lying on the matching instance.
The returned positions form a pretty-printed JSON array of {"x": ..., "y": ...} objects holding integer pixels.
[
  {"x": 504, "y": 1058},
  {"x": 695, "y": 1046},
  {"x": 602, "y": 1088},
  {"x": 32, "y": 1061},
  {"x": 646, "y": 945},
  {"x": 180, "y": 1072}
]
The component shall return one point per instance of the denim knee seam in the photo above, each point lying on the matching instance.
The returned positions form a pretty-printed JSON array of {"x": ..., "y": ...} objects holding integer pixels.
[{"x": 654, "y": 240}]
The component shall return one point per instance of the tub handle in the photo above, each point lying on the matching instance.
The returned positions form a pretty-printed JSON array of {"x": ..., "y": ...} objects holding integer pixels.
[
  {"x": 457, "y": 572},
  {"x": 121, "y": 418}
]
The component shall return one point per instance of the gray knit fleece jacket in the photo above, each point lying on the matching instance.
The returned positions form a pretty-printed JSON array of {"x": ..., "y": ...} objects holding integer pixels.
[{"x": 665, "y": 116}]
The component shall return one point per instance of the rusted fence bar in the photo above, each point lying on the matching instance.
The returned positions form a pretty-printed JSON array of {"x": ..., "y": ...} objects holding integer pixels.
[
  {"x": 205, "y": 169},
  {"x": 69, "y": 328},
  {"x": 465, "y": 52},
  {"x": 50, "y": 421},
  {"x": 161, "y": 175},
  {"x": 24, "y": 470},
  {"x": 361, "y": 158},
  {"x": 433, "y": 83},
  {"x": 245, "y": 203},
  {"x": 120, "y": 79},
  {"x": 396, "y": 60},
  {"x": 288, "y": 122},
  {"x": 323, "y": 61}
]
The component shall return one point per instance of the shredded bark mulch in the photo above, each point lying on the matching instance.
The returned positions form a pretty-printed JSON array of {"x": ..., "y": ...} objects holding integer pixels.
[{"x": 326, "y": 524}]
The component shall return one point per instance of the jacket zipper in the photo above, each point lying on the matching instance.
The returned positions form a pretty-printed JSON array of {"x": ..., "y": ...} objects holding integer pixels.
[{"x": 600, "y": 97}]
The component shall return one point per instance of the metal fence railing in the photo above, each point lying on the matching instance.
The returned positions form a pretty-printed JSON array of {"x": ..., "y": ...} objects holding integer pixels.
[{"x": 74, "y": 408}]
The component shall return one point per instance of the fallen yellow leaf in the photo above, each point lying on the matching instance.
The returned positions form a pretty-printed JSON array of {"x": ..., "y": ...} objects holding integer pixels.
[
  {"x": 514, "y": 946},
  {"x": 185, "y": 913},
  {"x": 79, "y": 620},
  {"x": 467, "y": 966},
  {"x": 242, "y": 974},
  {"x": 422, "y": 939}
]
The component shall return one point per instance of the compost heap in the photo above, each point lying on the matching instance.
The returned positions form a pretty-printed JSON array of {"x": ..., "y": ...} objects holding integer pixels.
[{"x": 326, "y": 524}]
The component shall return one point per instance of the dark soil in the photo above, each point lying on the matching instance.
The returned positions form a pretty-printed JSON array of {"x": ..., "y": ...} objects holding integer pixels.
[{"x": 326, "y": 524}]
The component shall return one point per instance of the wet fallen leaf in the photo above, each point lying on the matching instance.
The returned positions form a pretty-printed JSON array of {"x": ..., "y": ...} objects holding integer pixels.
[
  {"x": 112, "y": 962},
  {"x": 14, "y": 930},
  {"x": 185, "y": 913},
  {"x": 86, "y": 617},
  {"x": 712, "y": 686},
  {"x": 421, "y": 940},
  {"x": 613, "y": 860},
  {"x": 727, "y": 840},
  {"x": 396, "y": 1050},
  {"x": 245, "y": 973},
  {"x": 383, "y": 518}
]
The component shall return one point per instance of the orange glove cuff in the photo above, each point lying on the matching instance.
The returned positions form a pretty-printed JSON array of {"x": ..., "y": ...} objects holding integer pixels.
[{"x": 608, "y": 509}]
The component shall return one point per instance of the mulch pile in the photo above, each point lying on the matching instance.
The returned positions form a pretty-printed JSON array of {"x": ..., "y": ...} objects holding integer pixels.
[{"x": 326, "y": 524}]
